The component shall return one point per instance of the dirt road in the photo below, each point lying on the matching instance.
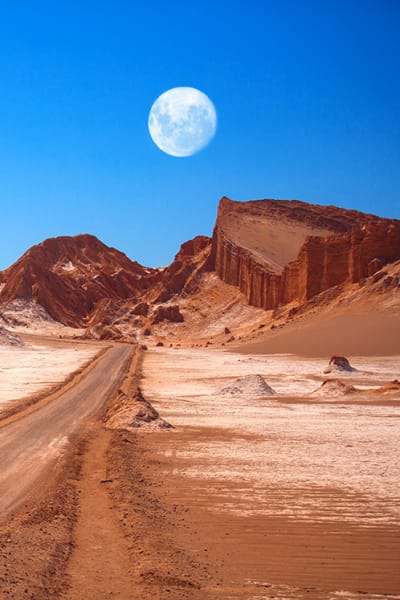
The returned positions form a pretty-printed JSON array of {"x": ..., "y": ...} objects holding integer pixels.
[{"x": 30, "y": 447}]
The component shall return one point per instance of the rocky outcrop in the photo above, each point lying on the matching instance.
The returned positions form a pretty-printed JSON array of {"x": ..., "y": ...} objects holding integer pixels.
[
  {"x": 189, "y": 261},
  {"x": 9, "y": 339},
  {"x": 175, "y": 280},
  {"x": 170, "y": 312},
  {"x": 278, "y": 252},
  {"x": 69, "y": 276},
  {"x": 347, "y": 258},
  {"x": 238, "y": 267},
  {"x": 339, "y": 363}
]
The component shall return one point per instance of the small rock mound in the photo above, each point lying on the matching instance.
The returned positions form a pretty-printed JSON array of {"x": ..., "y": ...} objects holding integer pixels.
[
  {"x": 333, "y": 387},
  {"x": 253, "y": 386},
  {"x": 131, "y": 412},
  {"x": 9, "y": 339},
  {"x": 339, "y": 363},
  {"x": 167, "y": 313}
]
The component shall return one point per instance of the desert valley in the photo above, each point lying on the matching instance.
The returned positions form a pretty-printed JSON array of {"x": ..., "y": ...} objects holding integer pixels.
[{"x": 225, "y": 427}]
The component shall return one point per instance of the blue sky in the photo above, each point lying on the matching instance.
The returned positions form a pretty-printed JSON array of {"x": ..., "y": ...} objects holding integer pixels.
[{"x": 307, "y": 95}]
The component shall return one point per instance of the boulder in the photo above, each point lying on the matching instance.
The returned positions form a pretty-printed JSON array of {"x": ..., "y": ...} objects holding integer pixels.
[{"x": 339, "y": 363}]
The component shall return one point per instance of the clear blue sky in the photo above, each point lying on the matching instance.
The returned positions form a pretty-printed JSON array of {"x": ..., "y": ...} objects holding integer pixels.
[{"x": 307, "y": 95}]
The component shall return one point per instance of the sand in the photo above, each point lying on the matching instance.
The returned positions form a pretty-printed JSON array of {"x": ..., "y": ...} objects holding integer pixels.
[
  {"x": 250, "y": 496},
  {"x": 291, "y": 496},
  {"x": 339, "y": 332}
]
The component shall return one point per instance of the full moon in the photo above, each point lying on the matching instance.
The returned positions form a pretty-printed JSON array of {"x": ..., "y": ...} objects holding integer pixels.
[{"x": 182, "y": 121}]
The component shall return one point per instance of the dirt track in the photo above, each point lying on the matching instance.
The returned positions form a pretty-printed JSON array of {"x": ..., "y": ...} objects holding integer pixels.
[
  {"x": 83, "y": 519},
  {"x": 30, "y": 447},
  {"x": 120, "y": 518}
]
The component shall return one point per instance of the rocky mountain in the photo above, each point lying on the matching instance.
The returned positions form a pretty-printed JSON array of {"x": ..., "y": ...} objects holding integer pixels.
[
  {"x": 266, "y": 254},
  {"x": 69, "y": 276}
]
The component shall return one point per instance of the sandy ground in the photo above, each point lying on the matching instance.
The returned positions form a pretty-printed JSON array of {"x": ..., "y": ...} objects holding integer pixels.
[
  {"x": 31, "y": 443},
  {"x": 251, "y": 496},
  {"x": 100, "y": 529},
  {"x": 37, "y": 367},
  {"x": 291, "y": 496},
  {"x": 345, "y": 330},
  {"x": 93, "y": 526}
]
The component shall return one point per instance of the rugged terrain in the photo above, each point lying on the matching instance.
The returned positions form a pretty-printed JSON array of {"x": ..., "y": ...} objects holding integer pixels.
[
  {"x": 279, "y": 252},
  {"x": 267, "y": 262},
  {"x": 269, "y": 454},
  {"x": 130, "y": 470},
  {"x": 68, "y": 276}
]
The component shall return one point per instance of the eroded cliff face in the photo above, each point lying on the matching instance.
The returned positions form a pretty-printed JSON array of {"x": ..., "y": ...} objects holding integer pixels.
[
  {"x": 278, "y": 252},
  {"x": 179, "y": 274},
  {"x": 345, "y": 258}
]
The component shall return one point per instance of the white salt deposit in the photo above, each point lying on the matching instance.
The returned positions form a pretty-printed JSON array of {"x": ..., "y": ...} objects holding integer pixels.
[
  {"x": 26, "y": 316},
  {"x": 250, "y": 386},
  {"x": 31, "y": 369},
  {"x": 287, "y": 454},
  {"x": 68, "y": 266}
]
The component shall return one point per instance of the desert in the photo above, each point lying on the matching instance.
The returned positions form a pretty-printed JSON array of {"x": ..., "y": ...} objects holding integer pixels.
[
  {"x": 223, "y": 427},
  {"x": 200, "y": 300}
]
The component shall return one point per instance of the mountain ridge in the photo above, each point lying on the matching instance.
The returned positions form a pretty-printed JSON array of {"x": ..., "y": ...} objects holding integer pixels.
[{"x": 274, "y": 255}]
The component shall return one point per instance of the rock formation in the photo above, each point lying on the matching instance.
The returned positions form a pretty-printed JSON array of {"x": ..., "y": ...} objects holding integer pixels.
[
  {"x": 339, "y": 363},
  {"x": 9, "y": 339},
  {"x": 177, "y": 278},
  {"x": 68, "y": 276},
  {"x": 279, "y": 251},
  {"x": 167, "y": 313}
]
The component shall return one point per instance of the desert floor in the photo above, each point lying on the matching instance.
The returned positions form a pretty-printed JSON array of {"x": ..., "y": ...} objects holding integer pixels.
[
  {"x": 39, "y": 366},
  {"x": 255, "y": 493},
  {"x": 291, "y": 495}
]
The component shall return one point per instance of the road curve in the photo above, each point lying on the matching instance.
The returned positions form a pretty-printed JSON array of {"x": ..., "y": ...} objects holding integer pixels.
[{"x": 30, "y": 447}]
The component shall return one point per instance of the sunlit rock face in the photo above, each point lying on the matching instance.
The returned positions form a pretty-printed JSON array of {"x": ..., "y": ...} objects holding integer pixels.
[
  {"x": 68, "y": 276},
  {"x": 279, "y": 251}
]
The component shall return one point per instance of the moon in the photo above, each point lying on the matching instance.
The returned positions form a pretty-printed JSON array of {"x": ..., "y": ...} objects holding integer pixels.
[{"x": 182, "y": 121}]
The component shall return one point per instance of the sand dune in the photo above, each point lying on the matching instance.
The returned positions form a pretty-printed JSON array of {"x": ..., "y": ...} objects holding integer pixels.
[{"x": 368, "y": 333}]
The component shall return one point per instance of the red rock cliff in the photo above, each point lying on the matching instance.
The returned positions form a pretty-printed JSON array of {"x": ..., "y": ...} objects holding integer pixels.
[{"x": 278, "y": 251}]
